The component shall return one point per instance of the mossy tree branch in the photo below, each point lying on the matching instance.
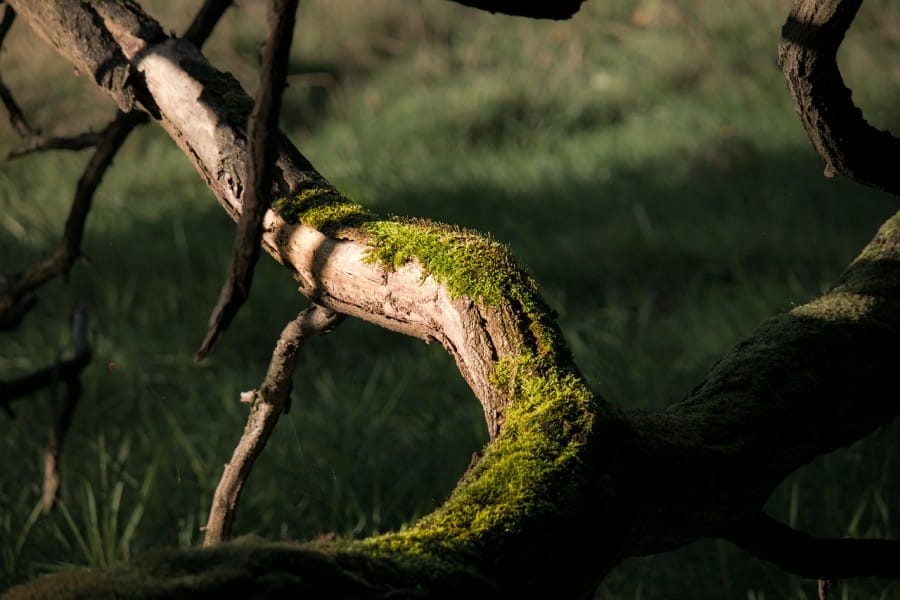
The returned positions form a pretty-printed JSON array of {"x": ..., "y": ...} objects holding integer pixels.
[{"x": 569, "y": 485}]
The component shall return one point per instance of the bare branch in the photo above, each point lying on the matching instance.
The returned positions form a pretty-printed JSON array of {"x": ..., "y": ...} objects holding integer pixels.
[
  {"x": 261, "y": 148},
  {"x": 808, "y": 56},
  {"x": 205, "y": 21},
  {"x": 20, "y": 288},
  {"x": 67, "y": 409},
  {"x": 16, "y": 116},
  {"x": 59, "y": 371},
  {"x": 267, "y": 402},
  {"x": 543, "y": 10},
  {"x": 39, "y": 143},
  {"x": 816, "y": 558}
]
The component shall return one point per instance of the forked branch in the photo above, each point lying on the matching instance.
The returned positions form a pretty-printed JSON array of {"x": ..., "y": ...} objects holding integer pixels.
[
  {"x": 267, "y": 403},
  {"x": 17, "y": 292}
]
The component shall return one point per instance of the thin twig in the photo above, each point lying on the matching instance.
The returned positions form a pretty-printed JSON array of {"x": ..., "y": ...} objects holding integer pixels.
[
  {"x": 69, "y": 372},
  {"x": 16, "y": 116},
  {"x": 62, "y": 370},
  {"x": 39, "y": 143},
  {"x": 261, "y": 149},
  {"x": 60, "y": 262},
  {"x": 267, "y": 403},
  {"x": 66, "y": 411}
]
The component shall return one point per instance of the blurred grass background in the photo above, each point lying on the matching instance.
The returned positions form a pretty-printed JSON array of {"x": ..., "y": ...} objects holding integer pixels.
[{"x": 643, "y": 160}]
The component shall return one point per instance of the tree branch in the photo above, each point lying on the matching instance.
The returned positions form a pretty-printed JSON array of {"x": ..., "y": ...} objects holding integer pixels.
[
  {"x": 17, "y": 292},
  {"x": 569, "y": 485},
  {"x": 60, "y": 371},
  {"x": 67, "y": 371},
  {"x": 39, "y": 143},
  {"x": 808, "y": 56},
  {"x": 16, "y": 116},
  {"x": 261, "y": 151},
  {"x": 543, "y": 10},
  {"x": 66, "y": 411},
  {"x": 205, "y": 21},
  {"x": 267, "y": 402},
  {"x": 816, "y": 558}
]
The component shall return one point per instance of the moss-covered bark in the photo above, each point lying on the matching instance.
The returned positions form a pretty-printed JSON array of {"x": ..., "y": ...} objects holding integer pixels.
[{"x": 569, "y": 485}]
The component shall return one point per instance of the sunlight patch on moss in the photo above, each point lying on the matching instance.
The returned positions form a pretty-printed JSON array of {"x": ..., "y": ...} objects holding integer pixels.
[
  {"x": 321, "y": 207},
  {"x": 468, "y": 264},
  {"x": 838, "y": 306},
  {"x": 524, "y": 472}
]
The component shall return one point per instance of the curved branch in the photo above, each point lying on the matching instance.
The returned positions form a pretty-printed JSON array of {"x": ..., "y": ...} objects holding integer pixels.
[
  {"x": 569, "y": 485},
  {"x": 816, "y": 558},
  {"x": 808, "y": 56}
]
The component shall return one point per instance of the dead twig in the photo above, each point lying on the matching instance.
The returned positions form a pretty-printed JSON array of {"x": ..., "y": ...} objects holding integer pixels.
[
  {"x": 262, "y": 133},
  {"x": 267, "y": 402},
  {"x": 205, "y": 21},
  {"x": 17, "y": 291},
  {"x": 66, "y": 411},
  {"x": 39, "y": 143},
  {"x": 16, "y": 116}
]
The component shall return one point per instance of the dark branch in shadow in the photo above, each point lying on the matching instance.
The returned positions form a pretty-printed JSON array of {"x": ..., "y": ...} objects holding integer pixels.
[
  {"x": 808, "y": 56},
  {"x": 203, "y": 24},
  {"x": 535, "y": 10},
  {"x": 816, "y": 558},
  {"x": 19, "y": 289},
  {"x": 262, "y": 145},
  {"x": 64, "y": 370},
  {"x": 66, "y": 411},
  {"x": 16, "y": 116},
  {"x": 39, "y": 143}
]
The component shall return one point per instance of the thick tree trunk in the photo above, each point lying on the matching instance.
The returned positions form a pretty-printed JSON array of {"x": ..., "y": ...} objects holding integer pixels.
[{"x": 569, "y": 485}]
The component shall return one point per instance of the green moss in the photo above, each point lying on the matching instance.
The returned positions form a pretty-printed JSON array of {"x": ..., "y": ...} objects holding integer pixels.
[
  {"x": 530, "y": 466},
  {"x": 837, "y": 305},
  {"x": 468, "y": 264},
  {"x": 322, "y": 207},
  {"x": 524, "y": 473}
]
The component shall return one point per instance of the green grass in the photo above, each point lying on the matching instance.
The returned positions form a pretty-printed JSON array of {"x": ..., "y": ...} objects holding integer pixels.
[{"x": 644, "y": 162}]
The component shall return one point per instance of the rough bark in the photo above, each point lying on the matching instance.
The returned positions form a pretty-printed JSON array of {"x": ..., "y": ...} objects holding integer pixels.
[
  {"x": 569, "y": 485},
  {"x": 808, "y": 56}
]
